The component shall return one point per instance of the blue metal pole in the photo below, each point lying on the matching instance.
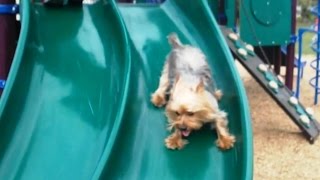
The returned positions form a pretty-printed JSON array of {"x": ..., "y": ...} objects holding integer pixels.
[
  {"x": 318, "y": 55},
  {"x": 9, "y": 9}
]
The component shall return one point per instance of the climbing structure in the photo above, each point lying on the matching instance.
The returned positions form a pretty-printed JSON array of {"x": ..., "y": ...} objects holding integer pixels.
[
  {"x": 314, "y": 82},
  {"x": 273, "y": 85},
  {"x": 315, "y": 46}
]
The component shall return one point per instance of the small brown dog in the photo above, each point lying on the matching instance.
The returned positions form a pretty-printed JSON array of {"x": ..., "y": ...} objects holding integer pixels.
[{"x": 186, "y": 79}]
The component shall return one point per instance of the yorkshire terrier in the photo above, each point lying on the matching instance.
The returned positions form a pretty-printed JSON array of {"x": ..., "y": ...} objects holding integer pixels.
[{"x": 191, "y": 98}]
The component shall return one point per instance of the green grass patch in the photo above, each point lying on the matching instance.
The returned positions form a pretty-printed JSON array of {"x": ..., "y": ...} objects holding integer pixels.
[{"x": 306, "y": 39}]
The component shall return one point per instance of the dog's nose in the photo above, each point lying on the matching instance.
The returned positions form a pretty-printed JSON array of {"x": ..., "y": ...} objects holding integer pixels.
[{"x": 183, "y": 127}]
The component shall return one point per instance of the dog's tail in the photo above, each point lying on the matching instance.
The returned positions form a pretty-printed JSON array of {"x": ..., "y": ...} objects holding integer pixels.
[{"x": 174, "y": 40}]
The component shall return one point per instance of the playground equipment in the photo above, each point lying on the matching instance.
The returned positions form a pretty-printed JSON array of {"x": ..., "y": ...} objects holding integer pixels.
[
  {"x": 77, "y": 100},
  {"x": 315, "y": 46},
  {"x": 266, "y": 24},
  {"x": 66, "y": 92},
  {"x": 149, "y": 51},
  {"x": 274, "y": 87},
  {"x": 8, "y": 37}
]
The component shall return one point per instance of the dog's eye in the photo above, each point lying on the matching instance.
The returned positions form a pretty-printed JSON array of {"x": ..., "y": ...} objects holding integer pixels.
[
  {"x": 177, "y": 113},
  {"x": 190, "y": 113}
]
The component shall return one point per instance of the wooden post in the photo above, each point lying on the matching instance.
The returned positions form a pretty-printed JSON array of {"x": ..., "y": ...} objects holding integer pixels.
[{"x": 290, "y": 48}]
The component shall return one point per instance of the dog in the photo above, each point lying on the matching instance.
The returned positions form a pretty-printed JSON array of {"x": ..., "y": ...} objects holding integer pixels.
[{"x": 188, "y": 90}]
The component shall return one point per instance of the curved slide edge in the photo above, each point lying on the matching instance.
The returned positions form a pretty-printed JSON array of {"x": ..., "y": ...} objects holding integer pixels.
[
  {"x": 248, "y": 133},
  {"x": 115, "y": 130},
  {"x": 28, "y": 129},
  {"x": 25, "y": 18},
  {"x": 139, "y": 150}
]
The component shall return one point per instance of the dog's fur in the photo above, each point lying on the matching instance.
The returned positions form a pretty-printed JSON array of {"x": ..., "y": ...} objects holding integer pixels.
[{"x": 186, "y": 78}]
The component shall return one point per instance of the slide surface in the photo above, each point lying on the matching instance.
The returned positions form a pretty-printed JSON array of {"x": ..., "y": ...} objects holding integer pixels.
[
  {"x": 139, "y": 152},
  {"x": 65, "y": 94},
  {"x": 77, "y": 103}
]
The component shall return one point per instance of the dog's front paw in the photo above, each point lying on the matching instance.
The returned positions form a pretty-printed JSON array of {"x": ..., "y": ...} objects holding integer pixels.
[
  {"x": 158, "y": 100},
  {"x": 175, "y": 143},
  {"x": 226, "y": 142}
]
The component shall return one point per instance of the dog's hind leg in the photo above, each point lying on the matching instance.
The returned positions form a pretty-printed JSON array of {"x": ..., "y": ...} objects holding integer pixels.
[
  {"x": 218, "y": 94},
  {"x": 225, "y": 139},
  {"x": 158, "y": 98}
]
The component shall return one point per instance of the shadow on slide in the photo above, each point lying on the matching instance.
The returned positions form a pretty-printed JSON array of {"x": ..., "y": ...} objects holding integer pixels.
[
  {"x": 139, "y": 152},
  {"x": 66, "y": 92}
]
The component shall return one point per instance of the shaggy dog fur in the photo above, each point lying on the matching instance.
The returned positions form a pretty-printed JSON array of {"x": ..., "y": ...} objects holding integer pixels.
[{"x": 192, "y": 98}]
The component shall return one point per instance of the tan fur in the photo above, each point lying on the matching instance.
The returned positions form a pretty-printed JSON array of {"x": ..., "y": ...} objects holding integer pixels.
[
  {"x": 174, "y": 40},
  {"x": 175, "y": 141},
  {"x": 158, "y": 97},
  {"x": 158, "y": 100},
  {"x": 225, "y": 140},
  {"x": 190, "y": 104},
  {"x": 218, "y": 94}
]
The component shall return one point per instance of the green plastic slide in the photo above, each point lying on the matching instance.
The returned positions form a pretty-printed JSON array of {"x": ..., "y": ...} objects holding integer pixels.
[
  {"x": 66, "y": 92},
  {"x": 77, "y": 101}
]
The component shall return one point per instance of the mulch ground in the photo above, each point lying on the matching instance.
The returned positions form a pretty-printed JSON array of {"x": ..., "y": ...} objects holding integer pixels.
[{"x": 280, "y": 150}]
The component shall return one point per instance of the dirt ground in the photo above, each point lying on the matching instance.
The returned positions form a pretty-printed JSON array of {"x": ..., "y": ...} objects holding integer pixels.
[{"x": 280, "y": 151}]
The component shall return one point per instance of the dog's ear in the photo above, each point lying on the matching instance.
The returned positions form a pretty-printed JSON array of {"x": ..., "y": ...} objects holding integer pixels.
[
  {"x": 174, "y": 40},
  {"x": 200, "y": 87}
]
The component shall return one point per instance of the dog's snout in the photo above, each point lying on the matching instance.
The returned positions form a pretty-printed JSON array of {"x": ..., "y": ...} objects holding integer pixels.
[{"x": 182, "y": 127}]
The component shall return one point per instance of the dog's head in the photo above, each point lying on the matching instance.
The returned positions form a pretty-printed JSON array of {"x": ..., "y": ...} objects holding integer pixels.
[{"x": 189, "y": 105}]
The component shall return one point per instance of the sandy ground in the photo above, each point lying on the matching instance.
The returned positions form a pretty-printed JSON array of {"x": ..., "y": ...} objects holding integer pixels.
[{"x": 280, "y": 151}]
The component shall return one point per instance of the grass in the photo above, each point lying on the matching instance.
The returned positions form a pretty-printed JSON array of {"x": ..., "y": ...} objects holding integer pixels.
[{"x": 307, "y": 39}]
